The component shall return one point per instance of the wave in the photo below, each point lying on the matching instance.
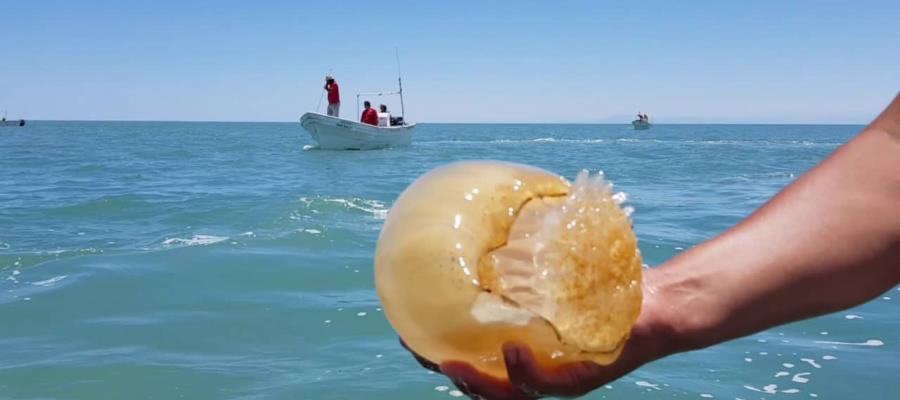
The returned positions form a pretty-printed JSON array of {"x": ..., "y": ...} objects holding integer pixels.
[
  {"x": 326, "y": 204},
  {"x": 196, "y": 240},
  {"x": 100, "y": 206},
  {"x": 710, "y": 142},
  {"x": 517, "y": 141},
  {"x": 50, "y": 282}
]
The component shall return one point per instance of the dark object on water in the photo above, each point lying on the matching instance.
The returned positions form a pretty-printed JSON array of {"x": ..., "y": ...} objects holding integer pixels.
[
  {"x": 640, "y": 125},
  {"x": 20, "y": 122}
]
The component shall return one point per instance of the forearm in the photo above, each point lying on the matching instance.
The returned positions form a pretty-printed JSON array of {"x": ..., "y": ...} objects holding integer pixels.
[{"x": 829, "y": 241}]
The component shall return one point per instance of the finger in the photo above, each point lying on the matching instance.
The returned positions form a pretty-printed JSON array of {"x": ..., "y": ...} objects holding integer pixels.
[
  {"x": 480, "y": 386},
  {"x": 525, "y": 374},
  {"x": 425, "y": 363}
]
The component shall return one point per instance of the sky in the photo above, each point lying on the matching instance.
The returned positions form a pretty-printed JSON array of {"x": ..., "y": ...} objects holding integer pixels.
[{"x": 461, "y": 61}]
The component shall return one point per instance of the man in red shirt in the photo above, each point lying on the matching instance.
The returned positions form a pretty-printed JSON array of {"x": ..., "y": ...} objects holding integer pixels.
[
  {"x": 369, "y": 115},
  {"x": 334, "y": 96}
]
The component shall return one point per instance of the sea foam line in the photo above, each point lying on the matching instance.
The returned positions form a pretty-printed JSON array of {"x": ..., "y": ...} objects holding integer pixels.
[{"x": 196, "y": 240}]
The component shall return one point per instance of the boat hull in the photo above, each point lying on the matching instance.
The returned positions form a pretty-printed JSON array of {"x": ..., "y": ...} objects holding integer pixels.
[
  {"x": 18, "y": 122},
  {"x": 340, "y": 134},
  {"x": 640, "y": 125}
]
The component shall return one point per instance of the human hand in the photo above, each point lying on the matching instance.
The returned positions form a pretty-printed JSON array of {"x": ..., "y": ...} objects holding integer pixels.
[{"x": 652, "y": 337}]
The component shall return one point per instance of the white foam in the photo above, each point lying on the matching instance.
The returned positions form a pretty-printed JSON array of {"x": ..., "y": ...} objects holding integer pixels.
[
  {"x": 812, "y": 362},
  {"x": 770, "y": 389},
  {"x": 548, "y": 140},
  {"x": 372, "y": 206},
  {"x": 308, "y": 147},
  {"x": 312, "y": 231},
  {"x": 441, "y": 388},
  {"x": 50, "y": 281},
  {"x": 779, "y": 374},
  {"x": 826, "y": 357},
  {"x": 852, "y": 316},
  {"x": 801, "y": 377},
  {"x": 870, "y": 342},
  {"x": 706, "y": 396},
  {"x": 788, "y": 365},
  {"x": 645, "y": 384},
  {"x": 196, "y": 240},
  {"x": 361, "y": 314},
  {"x": 791, "y": 391},
  {"x": 455, "y": 393},
  {"x": 375, "y": 207}
]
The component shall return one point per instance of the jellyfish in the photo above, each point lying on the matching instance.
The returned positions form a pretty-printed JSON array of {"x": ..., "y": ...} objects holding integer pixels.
[{"x": 476, "y": 254}]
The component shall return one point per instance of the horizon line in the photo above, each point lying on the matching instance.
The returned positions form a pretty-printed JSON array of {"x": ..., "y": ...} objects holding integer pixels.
[{"x": 457, "y": 123}]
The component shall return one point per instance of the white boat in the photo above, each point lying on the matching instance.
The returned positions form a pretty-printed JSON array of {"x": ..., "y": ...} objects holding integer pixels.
[
  {"x": 341, "y": 134},
  {"x": 640, "y": 125},
  {"x": 333, "y": 133},
  {"x": 18, "y": 122}
]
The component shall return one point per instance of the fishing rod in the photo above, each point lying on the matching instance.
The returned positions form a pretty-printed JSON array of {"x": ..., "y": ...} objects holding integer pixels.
[{"x": 322, "y": 95}]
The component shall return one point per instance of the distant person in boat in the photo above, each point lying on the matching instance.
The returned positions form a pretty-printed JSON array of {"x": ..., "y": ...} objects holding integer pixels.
[
  {"x": 369, "y": 115},
  {"x": 334, "y": 96},
  {"x": 384, "y": 117}
]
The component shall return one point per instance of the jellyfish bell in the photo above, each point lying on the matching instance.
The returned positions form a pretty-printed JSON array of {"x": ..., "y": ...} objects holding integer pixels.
[{"x": 473, "y": 255}]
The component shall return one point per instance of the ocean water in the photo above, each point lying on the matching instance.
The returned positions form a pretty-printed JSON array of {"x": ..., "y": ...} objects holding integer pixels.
[{"x": 144, "y": 260}]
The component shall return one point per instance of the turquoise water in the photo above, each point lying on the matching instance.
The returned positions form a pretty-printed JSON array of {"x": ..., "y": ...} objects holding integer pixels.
[{"x": 143, "y": 260}]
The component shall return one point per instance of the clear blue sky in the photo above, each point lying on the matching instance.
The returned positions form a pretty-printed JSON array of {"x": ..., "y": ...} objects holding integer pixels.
[{"x": 480, "y": 61}]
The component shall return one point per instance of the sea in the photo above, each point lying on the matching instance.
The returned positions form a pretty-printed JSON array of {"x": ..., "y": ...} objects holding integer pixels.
[{"x": 170, "y": 260}]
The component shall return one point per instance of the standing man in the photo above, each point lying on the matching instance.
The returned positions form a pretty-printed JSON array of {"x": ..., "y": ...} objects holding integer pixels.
[{"x": 334, "y": 97}]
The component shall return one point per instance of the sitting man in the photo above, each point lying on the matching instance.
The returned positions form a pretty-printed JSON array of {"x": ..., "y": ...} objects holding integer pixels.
[
  {"x": 384, "y": 117},
  {"x": 369, "y": 115}
]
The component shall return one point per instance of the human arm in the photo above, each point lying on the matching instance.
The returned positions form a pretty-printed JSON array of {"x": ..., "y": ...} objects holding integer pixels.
[{"x": 829, "y": 241}]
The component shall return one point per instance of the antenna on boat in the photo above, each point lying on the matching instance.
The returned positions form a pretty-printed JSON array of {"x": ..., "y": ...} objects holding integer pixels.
[{"x": 400, "y": 82}]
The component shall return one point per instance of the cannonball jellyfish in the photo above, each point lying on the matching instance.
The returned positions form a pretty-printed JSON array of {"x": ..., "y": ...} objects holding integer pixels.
[{"x": 473, "y": 255}]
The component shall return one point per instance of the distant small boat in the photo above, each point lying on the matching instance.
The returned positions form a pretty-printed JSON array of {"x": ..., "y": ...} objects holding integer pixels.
[
  {"x": 18, "y": 122},
  {"x": 340, "y": 134},
  {"x": 640, "y": 125}
]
